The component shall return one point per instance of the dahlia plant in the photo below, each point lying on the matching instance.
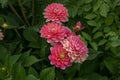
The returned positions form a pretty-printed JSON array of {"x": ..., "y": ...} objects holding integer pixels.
[{"x": 55, "y": 33}]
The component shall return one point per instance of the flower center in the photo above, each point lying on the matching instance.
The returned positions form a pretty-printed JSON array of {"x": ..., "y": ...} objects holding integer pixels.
[
  {"x": 57, "y": 9},
  {"x": 62, "y": 55},
  {"x": 53, "y": 28},
  {"x": 78, "y": 27}
]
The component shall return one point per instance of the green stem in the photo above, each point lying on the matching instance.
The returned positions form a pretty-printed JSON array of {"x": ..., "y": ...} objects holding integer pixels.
[
  {"x": 15, "y": 12},
  {"x": 17, "y": 33},
  {"x": 22, "y": 9}
]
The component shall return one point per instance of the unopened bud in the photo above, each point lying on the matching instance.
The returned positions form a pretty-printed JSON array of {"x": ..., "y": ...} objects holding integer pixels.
[
  {"x": 3, "y": 68},
  {"x": 78, "y": 26},
  {"x": 5, "y": 26}
]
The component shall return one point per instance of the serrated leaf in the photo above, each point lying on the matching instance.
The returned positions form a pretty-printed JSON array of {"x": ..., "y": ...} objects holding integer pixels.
[
  {"x": 104, "y": 9},
  {"x": 90, "y": 16},
  {"x": 86, "y": 36},
  {"x": 30, "y": 60},
  {"x": 92, "y": 23},
  {"x": 94, "y": 45},
  {"x": 47, "y": 74},
  {"x": 97, "y": 35}
]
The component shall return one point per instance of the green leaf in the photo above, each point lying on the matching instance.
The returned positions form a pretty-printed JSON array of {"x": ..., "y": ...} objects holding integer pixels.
[
  {"x": 30, "y": 35},
  {"x": 92, "y": 54},
  {"x": 97, "y": 5},
  {"x": 102, "y": 42},
  {"x": 115, "y": 43},
  {"x": 92, "y": 23},
  {"x": 35, "y": 44},
  {"x": 30, "y": 60},
  {"x": 94, "y": 45},
  {"x": 87, "y": 7},
  {"x": 3, "y": 53},
  {"x": 109, "y": 20},
  {"x": 10, "y": 78},
  {"x": 32, "y": 71},
  {"x": 86, "y": 36},
  {"x": 19, "y": 72},
  {"x": 97, "y": 35},
  {"x": 12, "y": 21},
  {"x": 4, "y": 3},
  {"x": 93, "y": 66},
  {"x": 31, "y": 77},
  {"x": 42, "y": 51},
  {"x": 73, "y": 13},
  {"x": 90, "y": 16},
  {"x": 87, "y": 1},
  {"x": 48, "y": 74},
  {"x": 112, "y": 64},
  {"x": 24, "y": 55},
  {"x": 104, "y": 9},
  {"x": 11, "y": 60},
  {"x": 95, "y": 76},
  {"x": 70, "y": 72},
  {"x": 1, "y": 20},
  {"x": 95, "y": 29},
  {"x": 79, "y": 79},
  {"x": 14, "y": 59}
]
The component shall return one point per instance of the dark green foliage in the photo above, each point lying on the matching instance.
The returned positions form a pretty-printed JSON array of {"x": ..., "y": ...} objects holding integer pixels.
[{"x": 24, "y": 54}]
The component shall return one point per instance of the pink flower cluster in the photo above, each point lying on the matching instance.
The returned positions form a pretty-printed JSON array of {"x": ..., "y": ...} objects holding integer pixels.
[{"x": 67, "y": 47}]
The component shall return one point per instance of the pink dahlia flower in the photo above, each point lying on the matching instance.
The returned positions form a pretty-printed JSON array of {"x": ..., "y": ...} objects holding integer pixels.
[
  {"x": 76, "y": 48},
  {"x": 56, "y": 12},
  {"x": 78, "y": 26},
  {"x": 54, "y": 32},
  {"x": 59, "y": 57}
]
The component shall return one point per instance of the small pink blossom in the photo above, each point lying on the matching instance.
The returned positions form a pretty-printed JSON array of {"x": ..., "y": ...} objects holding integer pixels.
[
  {"x": 56, "y": 12},
  {"x": 76, "y": 48},
  {"x": 59, "y": 57},
  {"x": 78, "y": 26},
  {"x": 53, "y": 32},
  {"x": 1, "y": 35}
]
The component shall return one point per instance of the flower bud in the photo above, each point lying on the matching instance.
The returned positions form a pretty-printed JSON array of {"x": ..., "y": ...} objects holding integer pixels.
[
  {"x": 5, "y": 26},
  {"x": 78, "y": 26}
]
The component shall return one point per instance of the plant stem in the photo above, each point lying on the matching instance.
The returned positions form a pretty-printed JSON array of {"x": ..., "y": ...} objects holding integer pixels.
[
  {"x": 17, "y": 33},
  {"x": 22, "y": 9},
  {"x": 15, "y": 12}
]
